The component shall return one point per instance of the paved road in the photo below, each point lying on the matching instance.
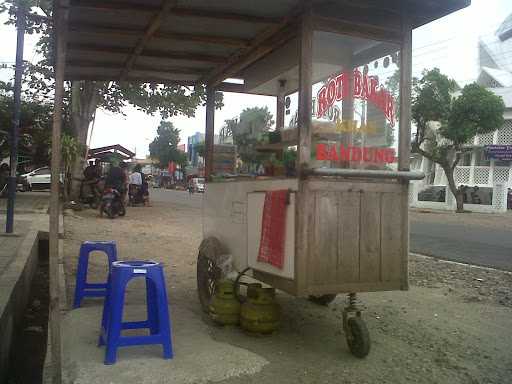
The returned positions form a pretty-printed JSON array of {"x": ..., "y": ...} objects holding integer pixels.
[
  {"x": 473, "y": 244},
  {"x": 441, "y": 235}
]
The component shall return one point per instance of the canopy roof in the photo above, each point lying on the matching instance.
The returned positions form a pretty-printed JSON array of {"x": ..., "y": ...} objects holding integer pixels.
[
  {"x": 203, "y": 41},
  {"x": 108, "y": 151}
]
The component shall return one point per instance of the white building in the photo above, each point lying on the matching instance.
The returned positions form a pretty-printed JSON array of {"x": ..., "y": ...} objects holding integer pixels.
[{"x": 491, "y": 177}]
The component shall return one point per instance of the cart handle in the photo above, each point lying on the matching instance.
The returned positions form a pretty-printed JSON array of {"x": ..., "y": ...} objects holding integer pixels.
[{"x": 378, "y": 174}]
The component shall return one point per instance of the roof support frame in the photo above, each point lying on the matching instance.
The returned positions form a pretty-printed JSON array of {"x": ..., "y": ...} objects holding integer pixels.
[
  {"x": 158, "y": 54},
  {"x": 264, "y": 43},
  {"x": 178, "y": 11},
  {"x": 152, "y": 27},
  {"x": 124, "y": 31}
]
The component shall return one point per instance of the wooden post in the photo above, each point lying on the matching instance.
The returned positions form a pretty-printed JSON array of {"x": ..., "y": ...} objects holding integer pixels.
[
  {"x": 305, "y": 92},
  {"x": 280, "y": 107},
  {"x": 303, "y": 213},
  {"x": 210, "y": 132},
  {"x": 60, "y": 59},
  {"x": 404, "y": 137}
]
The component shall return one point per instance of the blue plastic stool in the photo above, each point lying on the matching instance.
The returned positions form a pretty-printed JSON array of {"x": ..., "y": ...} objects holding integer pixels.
[
  {"x": 83, "y": 288},
  {"x": 157, "y": 322}
]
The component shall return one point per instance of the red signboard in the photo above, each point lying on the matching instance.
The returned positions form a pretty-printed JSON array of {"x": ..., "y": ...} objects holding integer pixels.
[{"x": 364, "y": 87}]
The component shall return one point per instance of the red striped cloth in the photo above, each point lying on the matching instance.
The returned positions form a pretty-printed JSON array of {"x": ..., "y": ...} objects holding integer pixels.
[{"x": 273, "y": 228}]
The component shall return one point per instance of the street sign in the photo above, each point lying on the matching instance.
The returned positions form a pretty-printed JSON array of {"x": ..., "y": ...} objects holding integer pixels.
[{"x": 499, "y": 152}]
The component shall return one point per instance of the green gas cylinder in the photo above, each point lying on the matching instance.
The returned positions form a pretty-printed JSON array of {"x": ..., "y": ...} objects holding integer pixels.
[
  {"x": 225, "y": 307},
  {"x": 260, "y": 313}
]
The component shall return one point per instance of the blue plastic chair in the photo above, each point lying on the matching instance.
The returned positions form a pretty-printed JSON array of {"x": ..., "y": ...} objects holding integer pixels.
[
  {"x": 157, "y": 322},
  {"x": 83, "y": 288}
]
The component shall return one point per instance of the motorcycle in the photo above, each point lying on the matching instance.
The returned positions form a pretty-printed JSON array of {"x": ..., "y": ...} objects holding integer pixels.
[
  {"x": 135, "y": 195},
  {"x": 90, "y": 194},
  {"x": 112, "y": 203}
]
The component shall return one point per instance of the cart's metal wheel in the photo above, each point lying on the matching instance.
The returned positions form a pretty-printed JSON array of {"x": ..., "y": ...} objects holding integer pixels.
[
  {"x": 208, "y": 273},
  {"x": 358, "y": 337},
  {"x": 322, "y": 299}
]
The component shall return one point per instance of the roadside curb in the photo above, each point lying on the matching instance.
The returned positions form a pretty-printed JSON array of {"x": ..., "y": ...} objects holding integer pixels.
[{"x": 439, "y": 260}]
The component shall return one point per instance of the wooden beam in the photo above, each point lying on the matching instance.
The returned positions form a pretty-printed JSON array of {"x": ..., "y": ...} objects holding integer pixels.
[
  {"x": 149, "y": 68},
  {"x": 280, "y": 105},
  {"x": 228, "y": 16},
  {"x": 152, "y": 27},
  {"x": 264, "y": 43},
  {"x": 305, "y": 92},
  {"x": 373, "y": 53},
  {"x": 209, "y": 132},
  {"x": 60, "y": 15},
  {"x": 183, "y": 12},
  {"x": 404, "y": 135},
  {"x": 123, "y": 31},
  {"x": 150, "y": 53},
  {"x": 71, "y": 76},
  {"x": 237, "y": 88},
  {"x": 357, "y": 29}
]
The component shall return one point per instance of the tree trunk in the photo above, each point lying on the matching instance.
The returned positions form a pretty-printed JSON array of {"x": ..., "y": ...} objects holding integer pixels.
[
  {"x": 459, "y": 198},
  {"x": 84, "y": 101}
]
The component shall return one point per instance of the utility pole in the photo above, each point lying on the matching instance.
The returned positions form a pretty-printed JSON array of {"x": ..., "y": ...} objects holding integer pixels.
[{"x": 12, "y": 184}]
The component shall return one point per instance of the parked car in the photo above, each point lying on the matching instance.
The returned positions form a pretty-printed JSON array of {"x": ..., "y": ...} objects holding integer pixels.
[
  {"x": 198, "y": 183},
  {"x": 38, "y": 179}
]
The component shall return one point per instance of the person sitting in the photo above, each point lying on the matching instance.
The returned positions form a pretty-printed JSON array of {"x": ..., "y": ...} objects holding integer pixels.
[
  {"x": 116, "y": 178},
  {"x": 136, "y": 184},
  {"x": 92, "y": 176}
]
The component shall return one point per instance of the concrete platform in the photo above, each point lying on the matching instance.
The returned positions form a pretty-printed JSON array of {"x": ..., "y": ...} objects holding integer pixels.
[{"x": 197, "y": 357}]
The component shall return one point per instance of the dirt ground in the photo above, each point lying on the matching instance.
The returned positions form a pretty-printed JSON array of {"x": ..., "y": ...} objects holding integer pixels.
[{"x": 453, "y": 326}]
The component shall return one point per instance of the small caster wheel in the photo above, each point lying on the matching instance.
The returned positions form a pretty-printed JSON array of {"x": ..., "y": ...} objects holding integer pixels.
[
  {"x": 323, "y": 299},
  {"x": 358, "y": 337}
]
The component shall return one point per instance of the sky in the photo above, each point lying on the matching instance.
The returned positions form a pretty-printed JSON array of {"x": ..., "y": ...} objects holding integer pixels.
[{"x": 449, "y": 43}]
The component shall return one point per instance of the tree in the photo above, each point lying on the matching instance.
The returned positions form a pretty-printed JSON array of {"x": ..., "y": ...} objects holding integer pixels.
[
  {"x": 200, "y": 149},
  {"x": 84, "y": 97},
  {"x": 247, "y": 129},
  {"x": 475, "y": 111},
  {"x": 35, "y": 127},
  {"x": 70, "y": 150},
  {"x": 164, "y": 147}
]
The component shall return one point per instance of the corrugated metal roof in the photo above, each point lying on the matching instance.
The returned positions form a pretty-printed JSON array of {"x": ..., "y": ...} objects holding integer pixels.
[{"x": 203, "y": 40}]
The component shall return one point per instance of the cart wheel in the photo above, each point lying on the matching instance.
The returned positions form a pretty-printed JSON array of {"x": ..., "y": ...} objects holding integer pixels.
[
  {"x": 358, "y": 337},
  {"x": 208, "y": 273},
  {"x": 322, "y": 299}
]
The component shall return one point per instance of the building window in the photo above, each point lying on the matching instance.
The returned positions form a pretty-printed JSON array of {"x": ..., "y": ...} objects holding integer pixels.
[{"x": 481, "y": 158}]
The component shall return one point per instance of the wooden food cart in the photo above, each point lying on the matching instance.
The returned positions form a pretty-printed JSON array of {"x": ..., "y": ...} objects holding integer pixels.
[
  {"x": 347, "y": 226},
  {"x": 335, "y": 62}
]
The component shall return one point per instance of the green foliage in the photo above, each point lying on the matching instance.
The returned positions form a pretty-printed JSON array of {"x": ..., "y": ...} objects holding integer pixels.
[
  {"x": 35, "y": 127},
  {"x": 168, "y": 100},
  {"x": 71, "y": 149},
  {"x": 200, "y": 149},
  {"x": 432, "y": 100},
  {"x": 247, "y": 130},
  {"x": 475, "y": 111},
  {"x": 164, "y": 147}
]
